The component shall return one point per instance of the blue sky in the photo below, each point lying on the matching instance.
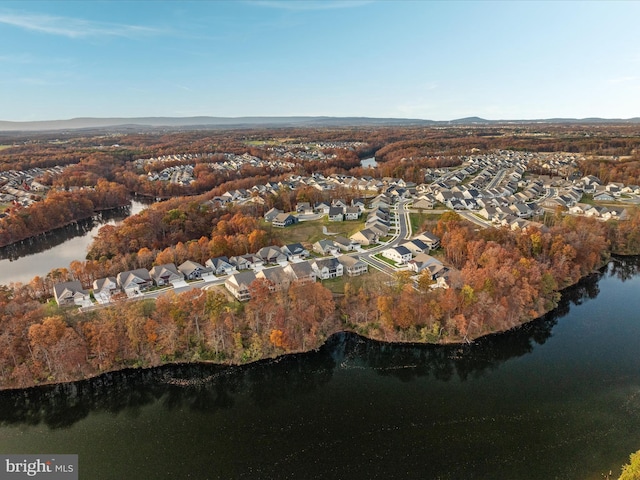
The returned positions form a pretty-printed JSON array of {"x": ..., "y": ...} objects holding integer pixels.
[{"x": 403, "y": 59}]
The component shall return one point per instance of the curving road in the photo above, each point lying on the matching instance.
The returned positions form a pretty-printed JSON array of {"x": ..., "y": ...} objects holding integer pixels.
[{"x": 403, "y": 232}]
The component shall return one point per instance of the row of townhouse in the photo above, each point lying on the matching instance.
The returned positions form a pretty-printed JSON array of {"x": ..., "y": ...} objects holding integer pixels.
[
  {"x": 133, "y": 282},
  {"x": 281, "y": 277}
]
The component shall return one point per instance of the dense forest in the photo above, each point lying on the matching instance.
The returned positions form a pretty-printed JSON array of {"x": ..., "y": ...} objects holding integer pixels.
[{"x": 502, "y": 280}]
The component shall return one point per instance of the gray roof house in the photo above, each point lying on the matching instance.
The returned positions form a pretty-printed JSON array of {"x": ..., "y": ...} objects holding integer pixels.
[
  {"x": 193, "y": 270},
  {"x": 165, "y": 274},
  {"x": 344, "y": 243},
  {"x": 399, "y": 255},
  {"x": 365, "y": 237},
  {"x": 220, "y": 266},
  {"x": 271, "y": 214},
  {"x": 284, "y": 220},
  {"x": 70, "y": 293},
  {"x": 353, "y": 266},
  {"x": 276, "y": 277},
  {"x": 325, "y": 247},
  {"x": 134, "y": 281},
  {"x": 238, "y": 284},
  {"x": 272, "y": 255},
  {"x": 327, "y": 268},
  {"x": 301, "y": 272},
  {"x": 295, "y": 251},
  {"x": 108, "y": 285}
]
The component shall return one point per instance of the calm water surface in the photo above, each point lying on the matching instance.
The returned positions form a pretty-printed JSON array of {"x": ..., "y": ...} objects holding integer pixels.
[
  {"x": 557, "y": 398},
  {"x": 369, "y": 162},
  {"x": 23, "y": 261}
]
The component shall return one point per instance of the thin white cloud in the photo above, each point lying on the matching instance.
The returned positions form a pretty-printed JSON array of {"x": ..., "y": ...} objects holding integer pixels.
[
  {"x": 305, "y": 5},
  {"x": 72, "y": 27}
]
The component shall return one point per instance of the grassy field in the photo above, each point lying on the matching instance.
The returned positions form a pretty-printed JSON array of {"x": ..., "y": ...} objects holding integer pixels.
[
  {"x": 417, "y": 219},
  {"x": 4, "y": 147},
  {"x": 311, "y": 232},
  {"x": 587, "y": 198},
  {"x": 373, "y": 277}
]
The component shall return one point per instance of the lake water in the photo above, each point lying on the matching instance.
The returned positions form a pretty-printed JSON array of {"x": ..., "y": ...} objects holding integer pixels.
[
  {"x": 369, "y": 162},
  {"x": 23, "y": 261},
  {"x": 556, "y": 398}
]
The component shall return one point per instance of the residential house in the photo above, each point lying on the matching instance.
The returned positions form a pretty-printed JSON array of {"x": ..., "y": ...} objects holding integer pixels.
[
  {"x": 70, "y": 293},
  {"x": 423, "y": 204},
  {"x": 423, "y": 261},
  {"x": 249, "y": 260},
  {"x": 327, "y": 268},
  {"x": 295, "y": 252},
  {"x": 339, "y": 203},
  {"x": 345, "y": 244},
  {"x": 416, "y": 246},
  {"x": 165, "y": 274},
  {"x": 603, "y": 196},
  {"x": 430, "y": 239},
  {"x": 359, "y": 203},
  {"x": 353, "y": 266},
  {"x": 378, "y": 228},
  {"x": 194, "y": 271},
  {"x": 336, "y": 214},
  {"x": 326, "y": 247},
  {"x": 399, "y": 255},
  {"x": 238, "y": 284},
  {"x": 222, "y": 265},
  {"x": 322, "y": 207},
  {"x": 272, "y": 255},
  {"x": 284, "y": 220},
  {"x": 276, "y": 277},
  {"x": 272, "y": 214},
  {"x": 134, "y": 281},
  {"x": 521, "y": 210},
  {"x": 304, "y": 207},
  {"x": 365, "y": 237},
  {"x": 105, "y": 286},
  {"x": 301, "y": 272},
  {"x": 351, "y": 213},
  {"x": 578, "y": 208}
]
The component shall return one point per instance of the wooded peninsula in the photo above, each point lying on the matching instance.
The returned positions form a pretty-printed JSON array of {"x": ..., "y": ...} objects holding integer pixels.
[{"x": 521, "y": 212}]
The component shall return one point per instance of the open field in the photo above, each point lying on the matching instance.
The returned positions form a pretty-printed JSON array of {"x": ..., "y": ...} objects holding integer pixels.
[
  {"x": 4, "y": 147},
  {"x": 373, "y": 277},
  {"x": 417, "y": 219},
  {"x": 311, "y": 231}
]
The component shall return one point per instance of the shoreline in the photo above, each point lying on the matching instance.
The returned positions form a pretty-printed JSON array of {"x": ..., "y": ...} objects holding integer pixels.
[
  {"x": 66, "y": 225},
  {"x": 231, "y": 364}
]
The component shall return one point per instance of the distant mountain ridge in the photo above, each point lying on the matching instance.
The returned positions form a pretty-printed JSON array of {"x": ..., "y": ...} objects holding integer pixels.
[{"x": 248, "y": 122}]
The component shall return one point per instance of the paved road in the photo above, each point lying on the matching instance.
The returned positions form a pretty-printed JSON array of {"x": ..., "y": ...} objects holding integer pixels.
[
  {"x": 403, "y": 232},
  {"x": 473, "y": 219},
  {"x": 497, "y": 179}
]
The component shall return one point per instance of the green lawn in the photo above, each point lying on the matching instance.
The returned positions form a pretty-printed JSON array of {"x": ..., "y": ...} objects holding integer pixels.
[
  {"x": 4, "y": 147},
  {"x": 382, "y": 258},
  {"x": 311, "y": 232},
  {"x": 587, "y": 198}
]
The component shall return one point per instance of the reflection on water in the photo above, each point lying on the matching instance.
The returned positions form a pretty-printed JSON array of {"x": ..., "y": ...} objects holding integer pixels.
[
  {"x": 57, "y": 249},
  {"x": 557, "y": 398},
  {"x": 211, "y": 387}
]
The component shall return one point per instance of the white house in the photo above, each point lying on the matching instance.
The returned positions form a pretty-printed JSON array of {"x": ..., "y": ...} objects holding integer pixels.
[{"x": 399, "y": 255}]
